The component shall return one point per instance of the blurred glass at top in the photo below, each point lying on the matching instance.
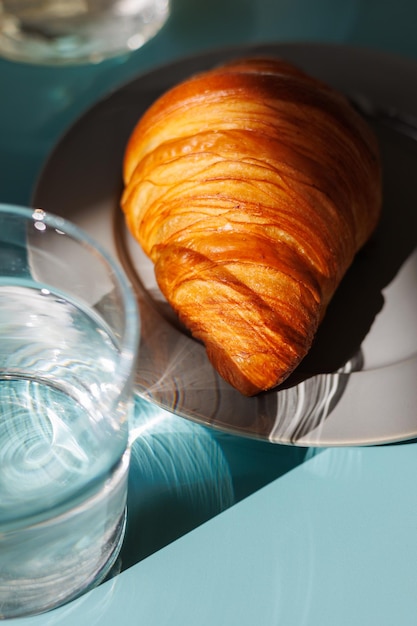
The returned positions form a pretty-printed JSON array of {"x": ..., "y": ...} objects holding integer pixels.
[{"x": 77, "y": 31}]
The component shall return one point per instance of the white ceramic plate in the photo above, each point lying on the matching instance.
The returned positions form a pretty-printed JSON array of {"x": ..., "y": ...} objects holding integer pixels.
[{"x": 359, "y": 383}]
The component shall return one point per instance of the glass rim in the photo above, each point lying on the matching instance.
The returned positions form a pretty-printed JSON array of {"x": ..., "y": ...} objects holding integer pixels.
[{"x": 129, "y": 343}]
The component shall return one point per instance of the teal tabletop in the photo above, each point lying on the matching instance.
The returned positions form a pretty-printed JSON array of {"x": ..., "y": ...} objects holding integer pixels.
[{"x": 225, "y": 529}]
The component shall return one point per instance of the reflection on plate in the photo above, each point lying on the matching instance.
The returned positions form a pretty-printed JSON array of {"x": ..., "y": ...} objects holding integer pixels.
[{"x": 357, "y": 385}]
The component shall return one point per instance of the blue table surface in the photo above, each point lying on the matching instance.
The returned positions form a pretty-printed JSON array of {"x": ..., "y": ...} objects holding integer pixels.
[{"x": 225, "y": 530}]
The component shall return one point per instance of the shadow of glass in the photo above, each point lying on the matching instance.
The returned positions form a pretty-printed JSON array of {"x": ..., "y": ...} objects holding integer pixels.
[{"x": 182, "y": 474}]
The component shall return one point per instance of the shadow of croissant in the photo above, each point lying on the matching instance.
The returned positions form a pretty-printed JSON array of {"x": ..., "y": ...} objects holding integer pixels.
[{"x": 308, "y": 397}]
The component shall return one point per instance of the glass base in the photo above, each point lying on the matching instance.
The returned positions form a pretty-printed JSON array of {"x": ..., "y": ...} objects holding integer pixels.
[{"x": 50, "y": 563}]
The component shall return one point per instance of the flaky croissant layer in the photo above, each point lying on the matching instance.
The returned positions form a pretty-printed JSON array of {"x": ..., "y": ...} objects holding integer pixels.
[{"x": 251, "y": 187}]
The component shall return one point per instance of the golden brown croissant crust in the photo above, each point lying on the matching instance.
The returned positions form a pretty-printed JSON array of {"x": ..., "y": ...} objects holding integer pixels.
[{"x": 251, "y": 187}]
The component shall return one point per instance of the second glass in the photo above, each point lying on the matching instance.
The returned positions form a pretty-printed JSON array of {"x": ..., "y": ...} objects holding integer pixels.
[{"x": 77, "y": 31}]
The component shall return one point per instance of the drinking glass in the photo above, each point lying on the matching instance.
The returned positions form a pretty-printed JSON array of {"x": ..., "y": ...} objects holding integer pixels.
[
  {"x": 69, "y": 332},
  {"x": 77, "y": 31}
]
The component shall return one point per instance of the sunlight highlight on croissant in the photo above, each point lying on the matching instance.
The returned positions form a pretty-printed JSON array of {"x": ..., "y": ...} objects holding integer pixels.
[{"x": 251, "y": 187}]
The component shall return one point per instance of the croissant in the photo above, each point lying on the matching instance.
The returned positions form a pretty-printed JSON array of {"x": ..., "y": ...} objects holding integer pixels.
[{"x": 251, "y": 187}]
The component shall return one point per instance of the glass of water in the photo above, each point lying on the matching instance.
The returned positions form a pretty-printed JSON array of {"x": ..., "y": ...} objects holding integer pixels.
[
  {"x": 77, "y": 31},
  {"x": 69, "y": 332}
]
